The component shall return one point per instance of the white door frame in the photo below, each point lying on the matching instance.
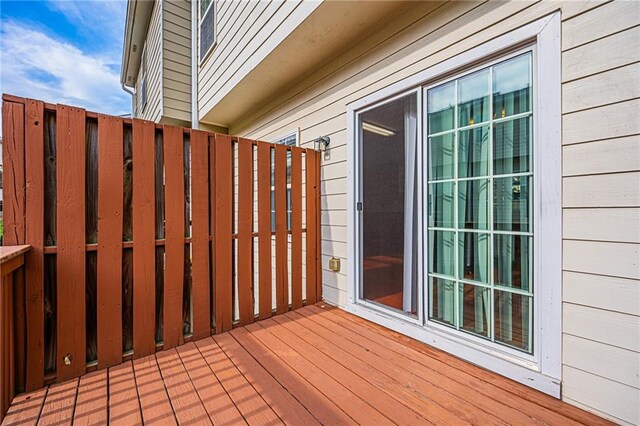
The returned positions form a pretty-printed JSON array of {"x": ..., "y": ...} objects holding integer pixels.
[{"x": 541, "y": 371}]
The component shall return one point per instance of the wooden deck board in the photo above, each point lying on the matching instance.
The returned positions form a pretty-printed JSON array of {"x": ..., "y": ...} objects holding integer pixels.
[
  {"x": 217, "y": 402},
  {"x": 124, "y": 404},
  {"x": 92, "y": 401},
  {"x": 251, "y": 405},
  {"x": 154, "y": 401},
  {"x": 317, "y": 365},
  {"x": 351, "y": 403}
]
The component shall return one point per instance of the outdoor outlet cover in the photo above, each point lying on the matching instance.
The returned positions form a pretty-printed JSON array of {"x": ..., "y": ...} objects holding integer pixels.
[{"x": 334, "y": 264}]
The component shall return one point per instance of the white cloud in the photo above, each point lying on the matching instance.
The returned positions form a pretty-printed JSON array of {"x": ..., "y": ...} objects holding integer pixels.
[
  {"x": 40, "y": 66},
  {"x": 104, "y": 18}
]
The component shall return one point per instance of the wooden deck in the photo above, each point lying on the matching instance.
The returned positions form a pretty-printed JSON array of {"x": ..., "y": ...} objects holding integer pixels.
[{"x": 311, "y": 366}]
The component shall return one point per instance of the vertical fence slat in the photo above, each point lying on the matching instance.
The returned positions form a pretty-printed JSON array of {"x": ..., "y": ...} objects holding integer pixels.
[
  {"x": 13, "y": 159},
  {"x": 296, "y": 228},
  {"x": 14, "y": 232},
  {"x": 34, "y": 169},
  {"x": 110, "y": 208},
  {"x": 312, "y": 206},
  {"x": 245, "y": 229},
  {"x": 70, "y": 225},
  {"x": 212, "y": 222},
  {"x": 223, "y": 238},
  {"x": 318, "y": 216},
  {"x": 282, "y": 285},
  {"x": 264, "y": 229},
  {"x": 200, "y": 234},
  {"x": 144, "y": 247},
  {"x": 174, "y": 235},
  {"x": 7, "y": 385}
]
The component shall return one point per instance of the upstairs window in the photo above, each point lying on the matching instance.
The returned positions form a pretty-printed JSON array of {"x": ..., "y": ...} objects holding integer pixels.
[
  {"x": 207, "y": 27},
  {"x": 288, "y": 140}
]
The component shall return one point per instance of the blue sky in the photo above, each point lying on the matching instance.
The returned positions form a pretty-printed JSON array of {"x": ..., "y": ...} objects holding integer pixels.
[{"x": 64, "y": 51}]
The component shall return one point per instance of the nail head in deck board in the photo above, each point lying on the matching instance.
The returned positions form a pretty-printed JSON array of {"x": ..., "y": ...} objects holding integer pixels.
[
  {"x": 264, "y": 230},
  {"x": 200, "y": 234},
  {"x": 280, "y": 187},
  {"x": 144, "y": 270},
  {"x": 288, "y": 408},
  {"x": 185, "y": 401},
  {"x": 70, "y": 224},
  {"x": 154, "y": 401},
  {"x": 124, "y": 407},
  {"x": 91, "y": 404},
  {"x": 25, "y": 408},
  {"x": 249, "y": 402},
  {"x": 219, "y": 406},
  {"x": 296, "y": 227},
  {"x": 34, "y": 218},
  {"x": 223, "y": 229},
  {"x": 174, "y": 236},
  {"x": 110, "y": 207},
  {"x": 14, "y": 176},
  {"x": 312, "y": 205},
  {"x": 245, "y": 228}
]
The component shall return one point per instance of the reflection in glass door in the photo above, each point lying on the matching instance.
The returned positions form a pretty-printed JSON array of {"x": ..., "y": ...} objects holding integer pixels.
[
  {"x": 479, "y": 197},
  {"x": 388, "y": 137}
]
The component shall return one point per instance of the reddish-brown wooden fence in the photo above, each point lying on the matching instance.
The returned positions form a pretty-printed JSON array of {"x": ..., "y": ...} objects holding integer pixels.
[{"x": 144, "y": 236}]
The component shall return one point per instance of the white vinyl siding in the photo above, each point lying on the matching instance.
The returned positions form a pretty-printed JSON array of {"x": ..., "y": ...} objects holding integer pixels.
[
  {"x": 153, "y": 51},
  {"x": 176, "y": 59},
  {"x": 600, "y": 150},
  {"x": 247, "y": 32}
]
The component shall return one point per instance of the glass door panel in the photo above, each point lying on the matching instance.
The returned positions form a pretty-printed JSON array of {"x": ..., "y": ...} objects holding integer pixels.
[
  {"x": 479, "y": 181},
  {"x": 388, "y": 137}
]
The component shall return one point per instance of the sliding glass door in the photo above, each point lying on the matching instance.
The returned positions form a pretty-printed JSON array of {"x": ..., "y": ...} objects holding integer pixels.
[
  {"x": 388, "y": 140},
  {"x": 466, "y": 204}
]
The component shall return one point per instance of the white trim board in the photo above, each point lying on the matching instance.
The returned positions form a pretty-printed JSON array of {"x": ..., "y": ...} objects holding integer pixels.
[{"x": 541, "y": 371}]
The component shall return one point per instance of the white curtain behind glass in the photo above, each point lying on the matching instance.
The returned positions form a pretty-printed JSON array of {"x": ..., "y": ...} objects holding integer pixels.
[{"x": 410, "y": 285}]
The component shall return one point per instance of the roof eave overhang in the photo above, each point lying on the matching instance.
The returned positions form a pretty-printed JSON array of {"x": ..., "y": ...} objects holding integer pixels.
[{"x": 135, "y": 32}]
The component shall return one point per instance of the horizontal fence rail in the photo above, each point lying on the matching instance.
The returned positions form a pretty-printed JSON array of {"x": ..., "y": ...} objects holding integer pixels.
[{"x": 144, "y": 235}]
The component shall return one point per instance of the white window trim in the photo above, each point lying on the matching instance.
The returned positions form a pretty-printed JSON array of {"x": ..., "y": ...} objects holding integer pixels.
[
  {"x": 203, "y": 59},
  {"x": 295, "y": 132},
  {"x": 541, "y": 371}
]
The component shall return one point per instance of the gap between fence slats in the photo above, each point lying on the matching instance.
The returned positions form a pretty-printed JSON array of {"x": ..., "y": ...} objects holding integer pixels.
[
  {"x": 296, "y": 228},
  {"x": 280, "y": 188}
]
